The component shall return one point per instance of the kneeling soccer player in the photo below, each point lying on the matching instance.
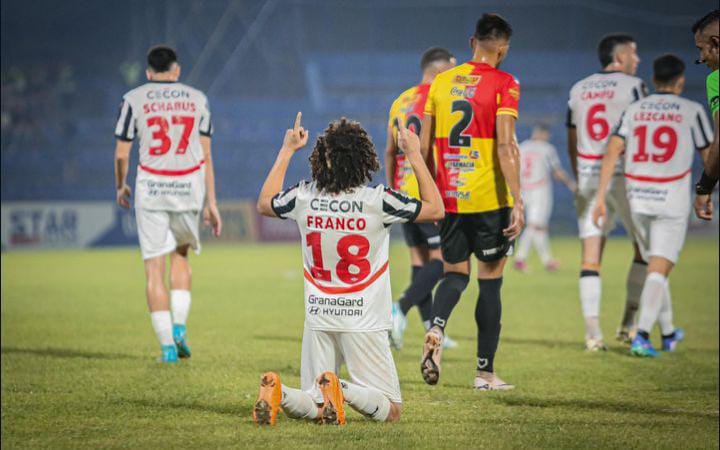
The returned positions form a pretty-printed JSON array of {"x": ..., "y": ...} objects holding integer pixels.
[
  {"x": 344, "y": 226},
  {"x": 658, "y": 135}
]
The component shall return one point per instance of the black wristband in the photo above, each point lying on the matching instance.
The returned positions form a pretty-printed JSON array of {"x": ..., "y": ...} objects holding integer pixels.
[{"x": 706, "y": 184}]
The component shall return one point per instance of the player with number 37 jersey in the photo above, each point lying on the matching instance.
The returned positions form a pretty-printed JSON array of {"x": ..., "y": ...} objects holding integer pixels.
[
  {"x": 168, "y": 118},
  {"x": 175, "y": 177}
]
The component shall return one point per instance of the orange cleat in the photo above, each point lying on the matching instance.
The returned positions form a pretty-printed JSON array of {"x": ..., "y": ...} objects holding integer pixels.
[
  {"x": 432, "y": 354},
  {"x": 333, "y": 409},
  {"x": 268, "y": 403}
]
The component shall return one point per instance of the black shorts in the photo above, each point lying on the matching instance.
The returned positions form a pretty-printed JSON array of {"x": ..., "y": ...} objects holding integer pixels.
[
  {"x": 476, "y": 233},
  {"x": 417, "y": 234}
]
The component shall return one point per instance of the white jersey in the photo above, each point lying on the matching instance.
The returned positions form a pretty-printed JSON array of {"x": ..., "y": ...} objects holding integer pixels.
[
  {"x": 538, "y": 160},
  {"x": 168, "y": 118},
  {"x": 661, "y": 133},
  {"x": 345, "y": 243},
  {"x": 594, "y": 108}
]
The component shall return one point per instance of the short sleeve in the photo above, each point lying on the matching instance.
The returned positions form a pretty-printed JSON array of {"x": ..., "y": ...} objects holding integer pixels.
[
  {"x": 399, "y": 208},
  {"x": 430, "y": 101},
  {"x": 701, "y": 130},
  {"x": 569, "y": 120},
  {"x": 206, "y": 127},
  {"x": 509, "y": 98},
  {"x": 126, "y": 123},
  {"x": 623, "y": 126},
  {"x": 284, "y": 203},
  {"x": 640, "y": 91}
]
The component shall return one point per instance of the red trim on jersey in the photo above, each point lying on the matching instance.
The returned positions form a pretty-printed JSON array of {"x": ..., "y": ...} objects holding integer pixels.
[
  {"x": 588, "y": 156},
  {"x": 657, "y": 179},
  {"x": 442, "y": 177},
  {"x": 347, "y": 290},
  {"x": 172, "y": 173}
]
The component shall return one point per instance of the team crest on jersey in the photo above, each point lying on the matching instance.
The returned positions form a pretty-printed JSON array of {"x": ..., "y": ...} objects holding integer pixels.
[{"x": 467, "y": 80}]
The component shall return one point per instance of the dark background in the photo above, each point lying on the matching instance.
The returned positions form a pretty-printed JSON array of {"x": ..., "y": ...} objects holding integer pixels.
[{"x": 66, "y": 64}]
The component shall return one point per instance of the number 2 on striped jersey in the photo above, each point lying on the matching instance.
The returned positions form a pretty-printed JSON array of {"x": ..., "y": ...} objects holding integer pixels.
[
  {"x": 347, "y": 258},
  {"x": 161, "y": 134}
]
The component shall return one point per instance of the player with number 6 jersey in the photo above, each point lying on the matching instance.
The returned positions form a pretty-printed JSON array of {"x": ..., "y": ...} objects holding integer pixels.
[
  {"x": 175, "y": 176},
  {"x": 659, "y": 136},
  {"x": 595, "y": 106},
  {"x": 344, "y": 225}
]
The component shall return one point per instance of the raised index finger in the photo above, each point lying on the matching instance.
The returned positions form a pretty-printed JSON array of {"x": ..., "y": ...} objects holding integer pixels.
[{"x": 298, "y": 118}]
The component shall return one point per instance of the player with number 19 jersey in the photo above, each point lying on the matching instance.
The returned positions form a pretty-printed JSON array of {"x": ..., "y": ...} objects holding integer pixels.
[
  {"x": 660, "y": 134},
  {"x": 594, "y": 109},
  {"x": 168, "y": 118}
]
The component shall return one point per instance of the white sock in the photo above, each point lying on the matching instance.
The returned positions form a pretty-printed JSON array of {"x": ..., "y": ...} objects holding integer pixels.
[
  {"x": 665, "y": 318},
  {"x": 426, "y": 324},
  {"x": 542, "y": 245},
  {"x": 162, "y": 324},
  {"x": 298, "y": 404},
  {"x": 524, "y": 244},
  {"x": 634, "y": 286},
  {"x": 367, "y": 401},
  {"x": 180, "y": 305},
  {"x": 590, "y": 293},
  {"x": 651, "y": 300}
]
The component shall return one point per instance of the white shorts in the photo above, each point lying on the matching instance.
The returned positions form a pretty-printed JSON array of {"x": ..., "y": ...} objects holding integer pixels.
[
  {"x": 538, "y": 206},
  {"x": 161, "y": 232},
  {"x": 367, "y": 356},
  {"x": 617, "y": 208},
  {"x": 660, "y": 236}
]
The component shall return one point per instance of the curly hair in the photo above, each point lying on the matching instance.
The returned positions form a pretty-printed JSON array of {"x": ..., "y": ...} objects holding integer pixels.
[{"x": 344, "y": 157}]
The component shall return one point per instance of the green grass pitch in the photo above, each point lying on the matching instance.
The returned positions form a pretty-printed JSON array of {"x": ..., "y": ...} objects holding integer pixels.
[{"x": 78, "y": 355}]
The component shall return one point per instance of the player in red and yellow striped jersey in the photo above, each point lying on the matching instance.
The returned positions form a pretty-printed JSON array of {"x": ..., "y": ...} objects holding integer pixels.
[
  {"x": 470, "y": 116},
  {"x": 423, "y": 239}
]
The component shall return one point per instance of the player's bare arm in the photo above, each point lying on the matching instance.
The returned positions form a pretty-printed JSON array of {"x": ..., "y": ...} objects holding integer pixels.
[
  {"x": 572, "y": 150},
  {"x": 390, "y": 153},
  {"x": 122, "y": 162},
  {"x": 432, "y": 204},
  {"x": 211, "y": 214},
  {"x": 565, "y": 179},
  {"x": 295, "y": 139},
  {"x": 426, "y": 141},
  {"x": 615, "y": 148},
  {"x": 508, "y": 155}
]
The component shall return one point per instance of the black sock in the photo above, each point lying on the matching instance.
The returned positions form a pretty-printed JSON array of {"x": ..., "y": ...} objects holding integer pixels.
[
  {"x": 644, "y": 334},
  {"x": 426, "y": 308},
  {"x": 406, "y": 302},
  {"x": 447, "y": 296},
  {"x": 668, "y": 336},
  {"x": 423, "y": 283},
  {"x": 488, "y": 312}
]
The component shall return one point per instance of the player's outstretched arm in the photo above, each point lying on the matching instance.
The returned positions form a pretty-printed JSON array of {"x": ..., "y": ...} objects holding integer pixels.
[
  {"x": 432, "y": 208},
  {"x": 615, "y": 147},
  {"x": 211, "y": 214},
  {"x": 295, "y": 139},
  {"x": 390, "y": 153},
  {"x": 509, "y": 157},
  {"x": 122, "y": 162}
]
